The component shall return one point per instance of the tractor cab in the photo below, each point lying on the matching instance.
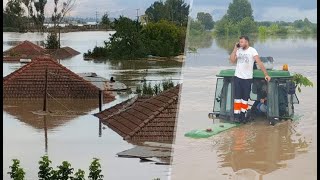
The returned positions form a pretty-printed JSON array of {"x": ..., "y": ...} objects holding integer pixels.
[{"x": 280, "y": 92}]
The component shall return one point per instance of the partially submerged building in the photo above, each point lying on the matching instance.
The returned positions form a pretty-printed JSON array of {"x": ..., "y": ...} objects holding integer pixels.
[
  {"x": 144, "y": 119},
  {"x": 27, "y": 50},
  {"x": 29, "y": 82},
  {"x": 24, "y": 50}
]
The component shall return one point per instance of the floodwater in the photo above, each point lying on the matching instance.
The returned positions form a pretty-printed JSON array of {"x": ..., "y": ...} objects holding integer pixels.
[
  {"x": 254, "y": 151},
  {"x": 78, "y": 137}
]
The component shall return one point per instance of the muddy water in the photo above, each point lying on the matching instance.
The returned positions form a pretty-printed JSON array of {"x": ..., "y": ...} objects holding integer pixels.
[
  {"x": 255, "y": 151},
  {"x": 77, "y": 136}
]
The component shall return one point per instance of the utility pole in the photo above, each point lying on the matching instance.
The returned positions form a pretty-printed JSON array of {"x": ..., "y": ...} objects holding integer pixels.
[
  {"x": 137, "y": 14},
  {"x": 45, "y": 91},
  {"x": 96, "y": 19}
]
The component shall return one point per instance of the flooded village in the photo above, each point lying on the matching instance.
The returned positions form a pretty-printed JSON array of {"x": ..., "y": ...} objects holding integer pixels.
[
  {"x": 59, "y": 103},
  {"x": 127, "y": 88}
]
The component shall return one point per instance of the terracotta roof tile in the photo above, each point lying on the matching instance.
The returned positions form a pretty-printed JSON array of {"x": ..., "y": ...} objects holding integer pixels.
[
  {"x": 29, "y": 82},
  {"x": 25, "y": 49},
  {"x": 145, "y": 119}
]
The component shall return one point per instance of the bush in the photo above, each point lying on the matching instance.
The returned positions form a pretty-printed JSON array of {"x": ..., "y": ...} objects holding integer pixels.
[
  {"x": 16, "y": 172},
  {"x": 64, "y": 171},
  {"x": 52, "y": 41},
  {"x": 147, "y": 89}
]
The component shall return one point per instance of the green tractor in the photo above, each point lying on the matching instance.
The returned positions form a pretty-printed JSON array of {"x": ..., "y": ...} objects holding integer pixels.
[{"x": 280, "y": 91}]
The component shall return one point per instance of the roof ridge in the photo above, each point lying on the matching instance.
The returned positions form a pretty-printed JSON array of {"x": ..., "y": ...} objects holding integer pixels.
[
  {"x": 53, "y": 61},
  {"x": 159, "y": 110},
  {"x": 130, "y": 102}
]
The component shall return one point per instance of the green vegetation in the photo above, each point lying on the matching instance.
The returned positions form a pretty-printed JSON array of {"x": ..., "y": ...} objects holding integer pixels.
[
  {"x": 164, "y": 34},
  {"x": 147, "y": 89},
  {"x": 301, "y": 80},
  {"x": 239, "y": 20},
  {"x": 206, "y": 20},
  {"x": 16, "y": 173},
  {"x": 105, "y": 21},
  {"x": 63, "y": 171},
  {"x": 200, "y": 31},
  {"x": 175, "y": 11}
]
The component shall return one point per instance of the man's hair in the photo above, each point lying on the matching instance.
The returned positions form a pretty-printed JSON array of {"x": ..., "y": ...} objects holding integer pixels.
[{"x": 244, "y": 37}]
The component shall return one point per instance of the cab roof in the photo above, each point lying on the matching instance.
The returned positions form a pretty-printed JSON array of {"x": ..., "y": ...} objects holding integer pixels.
[{"x": 257, "y": 73}]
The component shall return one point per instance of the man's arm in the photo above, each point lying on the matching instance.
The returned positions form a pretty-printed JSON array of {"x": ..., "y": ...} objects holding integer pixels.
[
  {"x": 233, "y": 55},
  {"x": 263, "y": 69}
]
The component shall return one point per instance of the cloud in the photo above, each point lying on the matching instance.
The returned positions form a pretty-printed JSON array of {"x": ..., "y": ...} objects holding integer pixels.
[{"x": 287, "y": 14}]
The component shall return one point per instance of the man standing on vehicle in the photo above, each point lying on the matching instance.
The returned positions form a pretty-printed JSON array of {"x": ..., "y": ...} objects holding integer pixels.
[{"x": 244, "y": 56}]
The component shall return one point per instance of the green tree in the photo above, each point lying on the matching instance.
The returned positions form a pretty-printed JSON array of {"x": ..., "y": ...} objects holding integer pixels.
[
  {"x": 163, "y": 39},
  {"x": 176, "y": 11},
  {"x": 126, "y": 42},
  {"x": 95, "y": 170},
  {"x": 37, "y": 13},
  {"x": 45, "y": 170},
  {"x": 16, "y": 173},
  {"x": 105, "y": 21},
  {"x": 52, "y": 41},
  {"x": 157, "y": 12},
  {"x": 206, "y": 20},
  {"x": 247, "y": 26},
  {"x": 65, "y": 171},
  {"x": 238, "y": 10}
]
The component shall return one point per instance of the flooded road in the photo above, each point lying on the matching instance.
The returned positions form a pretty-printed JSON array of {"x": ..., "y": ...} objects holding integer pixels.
[
  {"x": 79, "y": 137},
  {"x": 254, "y": 151}
]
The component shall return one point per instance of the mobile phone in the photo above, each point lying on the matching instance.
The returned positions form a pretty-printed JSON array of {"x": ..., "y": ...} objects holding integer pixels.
[{"x": 238, "y": 45}]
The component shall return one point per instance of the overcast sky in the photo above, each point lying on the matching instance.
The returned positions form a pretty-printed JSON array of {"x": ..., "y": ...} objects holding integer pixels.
[{"x": 263, "y": 10}]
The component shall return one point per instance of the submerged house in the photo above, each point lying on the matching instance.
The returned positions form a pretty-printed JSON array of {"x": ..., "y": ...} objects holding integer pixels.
[
  {"x": 29, "y": 82},
  {"x": 24, "y": 50},
  {"x": 144, "y": 119},
  {"x": 147, "y": 122},
  {"x": 27, "y": 50}
]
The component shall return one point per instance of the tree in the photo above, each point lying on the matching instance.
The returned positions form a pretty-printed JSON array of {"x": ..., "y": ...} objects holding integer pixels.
[
  {"x": 247, "y": 26},
  {"x": 37, "y": 13},
  {"x": 14, "y": 8},
  {"x": 206, "y": 20},
  {"x": 156, "y": 12},
  {"x": 27, "y": 4},
  {"x": 126, "y": 42},
  {"x": 176, "y": 11},
  {"x": 238, "y": 10},
  {"x": 13, "y": 16},
  {"x": 105, "y": 21},
  {"x": 163, "y": 39}
]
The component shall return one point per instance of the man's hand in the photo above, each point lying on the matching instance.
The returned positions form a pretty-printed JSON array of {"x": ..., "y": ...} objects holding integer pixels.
[
  {"x": 267, "y": 78},
  {"x": 236, "y": 46},
  {"x": 233, "y": 56}
]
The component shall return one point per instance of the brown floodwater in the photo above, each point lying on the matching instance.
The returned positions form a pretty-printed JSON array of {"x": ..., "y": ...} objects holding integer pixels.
[
  {"x": 254, "y": 151},
  {"x": 71, "y": 132}
]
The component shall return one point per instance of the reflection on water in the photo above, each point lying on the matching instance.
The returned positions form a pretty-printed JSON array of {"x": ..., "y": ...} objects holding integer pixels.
[
  {"x": 248, "y": 148},
  {"x": 30, "y": 111},
  {"x": 70, "y": 131}
]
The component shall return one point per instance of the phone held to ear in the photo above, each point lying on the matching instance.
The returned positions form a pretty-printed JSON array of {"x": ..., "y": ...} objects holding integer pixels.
[{"x": 238, "y": 45}]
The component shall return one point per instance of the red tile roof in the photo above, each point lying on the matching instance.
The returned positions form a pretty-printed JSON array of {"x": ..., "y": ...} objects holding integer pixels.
[
  {"x": 29, "y": 82},
  {"x": 145, "y": 119},
  {"x": 63, "y": 53},
  {"x": 25, "y": 49}
]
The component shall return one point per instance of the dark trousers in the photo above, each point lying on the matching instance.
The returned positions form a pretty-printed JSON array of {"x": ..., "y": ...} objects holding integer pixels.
[{"x": 242, "y": 89}]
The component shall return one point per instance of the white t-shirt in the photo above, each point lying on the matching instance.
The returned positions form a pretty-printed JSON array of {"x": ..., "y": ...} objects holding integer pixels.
[{"x": 244, "y": 69}]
